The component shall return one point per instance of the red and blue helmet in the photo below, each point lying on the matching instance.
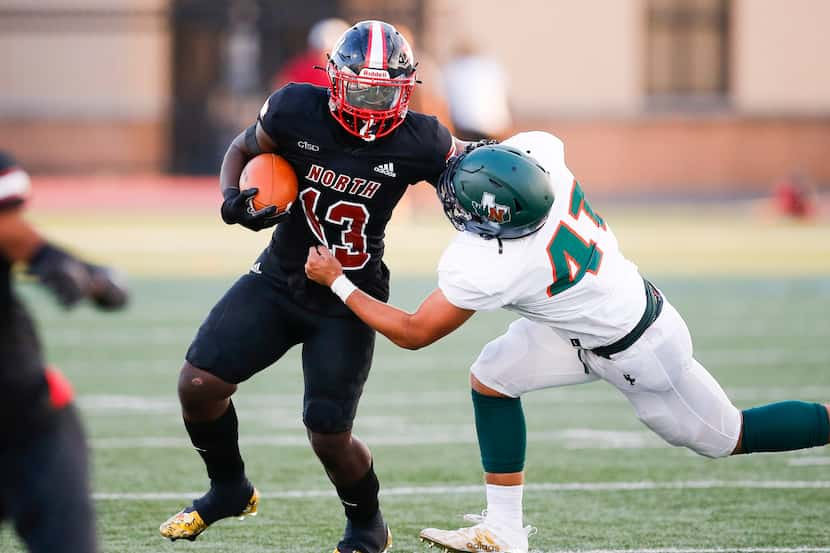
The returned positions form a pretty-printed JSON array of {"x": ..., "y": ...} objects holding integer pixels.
[{"x": 372, "y": 75}]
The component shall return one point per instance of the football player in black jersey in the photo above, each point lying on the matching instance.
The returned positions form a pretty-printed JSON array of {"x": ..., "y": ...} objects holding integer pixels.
[
  {"x": 355, "y": 150},
  {"x": 43, "y": 459}
]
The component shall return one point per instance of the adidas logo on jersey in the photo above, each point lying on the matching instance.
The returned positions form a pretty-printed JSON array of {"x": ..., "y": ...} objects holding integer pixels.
[{"x": 387, "y": 169}]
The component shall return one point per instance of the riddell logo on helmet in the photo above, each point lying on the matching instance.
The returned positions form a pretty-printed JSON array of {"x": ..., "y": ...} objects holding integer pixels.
[
  {"x": 374, "y": 73},
  {"x": 489, "y": 209}
]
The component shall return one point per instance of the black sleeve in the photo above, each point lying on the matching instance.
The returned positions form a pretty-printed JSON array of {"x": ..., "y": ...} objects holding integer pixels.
[
  {"x": 443, "y": 148},
  {"x": 272, "y": 112}
]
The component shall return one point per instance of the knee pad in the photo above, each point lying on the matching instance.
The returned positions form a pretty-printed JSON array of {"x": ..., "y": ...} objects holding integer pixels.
[
  {"x": 712, "y": 445},
  {"x": 328, "y": 416},
  {"x": 695, "y": 434},
  {"x": 489, "y": 371},
  {"x": 713, "y": 442}
]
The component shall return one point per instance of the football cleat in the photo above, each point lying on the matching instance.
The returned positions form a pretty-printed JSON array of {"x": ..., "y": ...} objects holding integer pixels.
[
  {"x": 188, "y": 523},
  {"x": 374, "y": 537},
  {"x": 346, "y": 549},
  {"x": 484, "y": 537}
]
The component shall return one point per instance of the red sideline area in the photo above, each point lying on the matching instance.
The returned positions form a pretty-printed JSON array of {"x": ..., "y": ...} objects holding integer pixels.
[
  {"x": 141, "y": 194},
  {"x": 151, "y": 193}
]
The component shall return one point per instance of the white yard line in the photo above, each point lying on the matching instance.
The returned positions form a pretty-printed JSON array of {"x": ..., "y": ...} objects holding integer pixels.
[
  {"x": 594, "y": 393},
  {"x": 809, "y": 461},
  {"x": 570, "y": 438},
  {"x": 748, "y": 356},
  {"x": 155, "y": 336},
  {"x": 643, "y": 485}
]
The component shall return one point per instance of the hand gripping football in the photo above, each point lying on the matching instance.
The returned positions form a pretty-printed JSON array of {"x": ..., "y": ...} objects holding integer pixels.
[{"x": 275, "y": 179}]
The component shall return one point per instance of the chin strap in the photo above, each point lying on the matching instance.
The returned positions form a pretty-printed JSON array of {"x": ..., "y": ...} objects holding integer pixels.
[{"x": 365, "y": 129}]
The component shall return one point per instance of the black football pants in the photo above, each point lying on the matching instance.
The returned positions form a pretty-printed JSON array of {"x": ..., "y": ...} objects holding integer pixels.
[{"x": 44, "y": 488}]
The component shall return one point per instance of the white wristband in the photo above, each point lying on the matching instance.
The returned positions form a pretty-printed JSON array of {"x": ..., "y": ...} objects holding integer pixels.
[{"x": 343, "y": 287}]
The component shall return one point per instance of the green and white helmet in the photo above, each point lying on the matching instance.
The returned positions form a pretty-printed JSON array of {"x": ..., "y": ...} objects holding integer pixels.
[{"x": 496, "y": 191}]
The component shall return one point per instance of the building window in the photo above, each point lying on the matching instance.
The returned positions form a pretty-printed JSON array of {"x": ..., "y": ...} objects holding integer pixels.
[{"x": 687, "y": 53}]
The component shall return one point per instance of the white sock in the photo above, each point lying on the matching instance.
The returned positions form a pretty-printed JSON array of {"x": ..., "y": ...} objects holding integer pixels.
[{"x": 504, "y": 505}]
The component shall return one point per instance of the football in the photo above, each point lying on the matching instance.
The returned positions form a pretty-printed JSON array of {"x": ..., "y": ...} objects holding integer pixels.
[{"x": 275, "y": 179}]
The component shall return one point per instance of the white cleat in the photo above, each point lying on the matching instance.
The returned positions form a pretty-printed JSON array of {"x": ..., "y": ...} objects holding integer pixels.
[{"x": 484, "y": 537}]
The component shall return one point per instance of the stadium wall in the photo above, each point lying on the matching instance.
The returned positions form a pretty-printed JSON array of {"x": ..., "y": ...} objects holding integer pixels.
[
  {"x": 665, "y": 155},
  {"x": 85, "y": 88},
  {"x": 85, "y": 84},
  {"x": 712, "y": 156}
]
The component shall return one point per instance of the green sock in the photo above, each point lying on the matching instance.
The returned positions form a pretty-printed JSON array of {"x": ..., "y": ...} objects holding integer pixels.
[
  {"x": 785, "y": 426},
  {"x": 502, "y": 435}
]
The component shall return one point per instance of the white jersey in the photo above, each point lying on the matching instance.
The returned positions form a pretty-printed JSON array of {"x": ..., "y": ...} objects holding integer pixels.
[{"x": 570, "y": 275}]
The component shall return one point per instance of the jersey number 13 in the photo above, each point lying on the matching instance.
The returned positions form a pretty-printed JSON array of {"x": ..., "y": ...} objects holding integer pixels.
[{"x": 350, "y": 250}]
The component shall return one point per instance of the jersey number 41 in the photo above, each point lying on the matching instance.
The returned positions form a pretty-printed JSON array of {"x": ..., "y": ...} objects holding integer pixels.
[{"x": 570, "y": 255}]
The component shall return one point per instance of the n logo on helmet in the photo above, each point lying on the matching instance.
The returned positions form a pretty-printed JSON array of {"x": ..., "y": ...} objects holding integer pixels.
[{"x": 489, "y": 209}]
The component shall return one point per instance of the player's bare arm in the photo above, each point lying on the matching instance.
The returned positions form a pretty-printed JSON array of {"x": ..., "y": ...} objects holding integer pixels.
[
  {"x": 435, "y": 318},
  {"x": 236, "y": 208},
  {"x": 18, "y": 239},
  {"x": 69, "y": 278},
  {"x": 249, "y": 143}
]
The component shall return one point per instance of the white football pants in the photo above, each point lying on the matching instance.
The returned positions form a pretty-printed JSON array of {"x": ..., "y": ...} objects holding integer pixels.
[{"x": 672, "y": 394}]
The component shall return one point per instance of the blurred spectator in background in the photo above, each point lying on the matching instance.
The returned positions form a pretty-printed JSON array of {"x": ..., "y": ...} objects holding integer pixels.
[
  {"x": 429, "y": 96},
  {"x": 231, "y": 99},
  {"x": 792, "y": 198},
  {"x": 300, "y": 68},
  {"x": 476, "y": 86}
]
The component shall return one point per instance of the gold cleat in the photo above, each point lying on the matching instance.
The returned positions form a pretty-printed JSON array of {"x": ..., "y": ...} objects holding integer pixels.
[
  {"x": 250, "y": 509},
  {"x": 189, "y": 525}
]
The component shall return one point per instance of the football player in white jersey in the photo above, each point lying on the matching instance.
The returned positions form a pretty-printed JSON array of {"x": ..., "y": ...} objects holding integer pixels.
[{"x": 531, "y": 243}]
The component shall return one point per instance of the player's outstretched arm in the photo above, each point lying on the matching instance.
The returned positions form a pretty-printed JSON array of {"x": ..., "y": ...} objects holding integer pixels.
[
  {"x": 435, "y": 318},
  {"x": 68, "y": 278}
]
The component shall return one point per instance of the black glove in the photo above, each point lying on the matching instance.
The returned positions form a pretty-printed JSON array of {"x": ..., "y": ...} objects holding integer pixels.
[
  {"x": 66, "y": 277},
  {"x": 238, "y": 208},
  {"x": 72, "y": 280},
  {"x": 108, "y": 290}
]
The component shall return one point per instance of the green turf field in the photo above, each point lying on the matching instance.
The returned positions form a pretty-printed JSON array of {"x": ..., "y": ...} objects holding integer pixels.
[{"x": 598, "y": 480}]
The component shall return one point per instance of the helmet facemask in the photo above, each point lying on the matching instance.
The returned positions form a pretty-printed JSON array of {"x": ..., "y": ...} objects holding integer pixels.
[
  {"x": 461, "y": 218},
  {"x": 369, "y": 105},
  {"x": 371, "y": 74}
]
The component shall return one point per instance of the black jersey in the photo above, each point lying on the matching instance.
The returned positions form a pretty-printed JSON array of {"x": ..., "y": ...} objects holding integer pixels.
[
  {"x": 24, "y": 394},
  {"x": 14, "y": 184},
  {"x": 348, "y": 188},
  {"x": 5, "y": 283}
]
